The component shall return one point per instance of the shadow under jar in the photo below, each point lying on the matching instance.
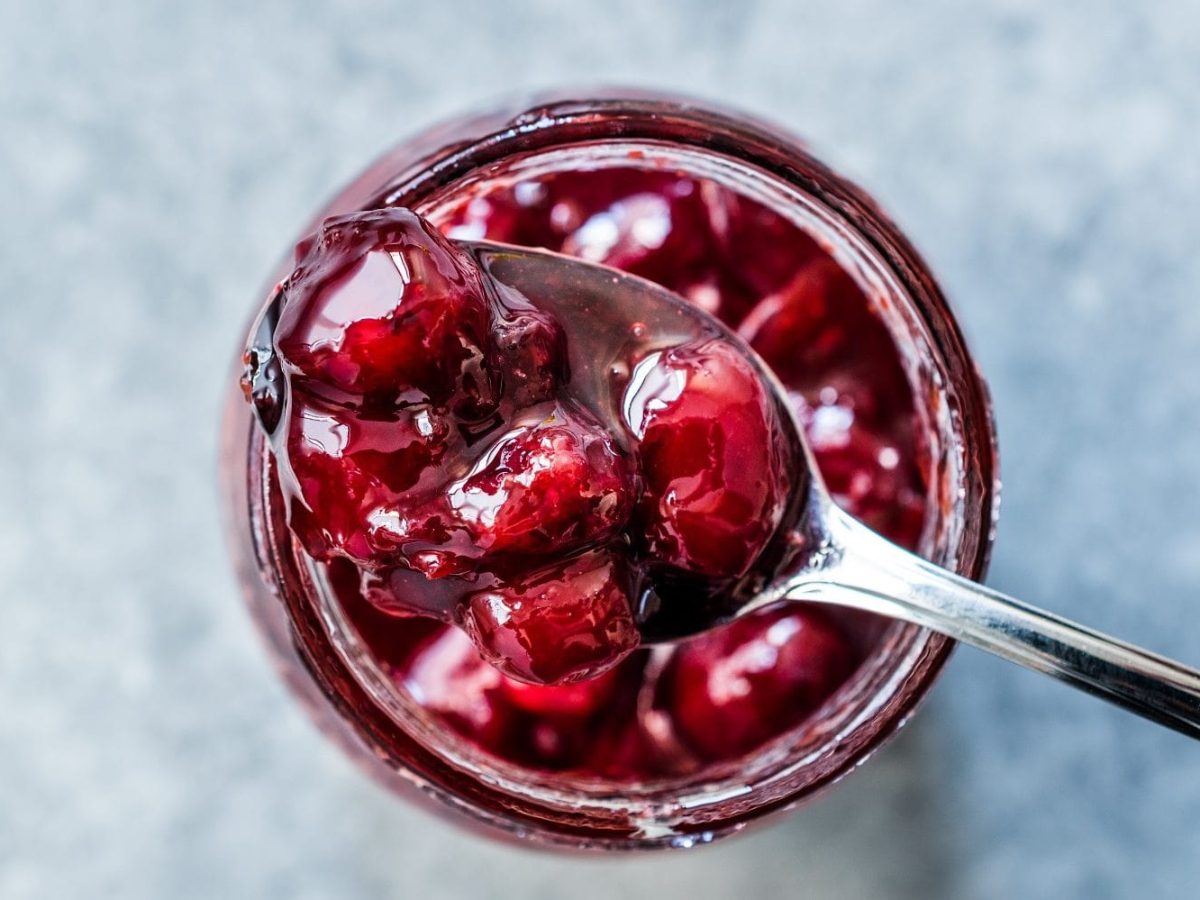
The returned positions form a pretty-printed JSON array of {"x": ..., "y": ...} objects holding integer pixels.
[{"x": 896, "y": 411}]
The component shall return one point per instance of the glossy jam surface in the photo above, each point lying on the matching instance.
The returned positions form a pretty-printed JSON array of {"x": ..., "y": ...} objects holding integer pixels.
[{"x": 539, "y": 531}]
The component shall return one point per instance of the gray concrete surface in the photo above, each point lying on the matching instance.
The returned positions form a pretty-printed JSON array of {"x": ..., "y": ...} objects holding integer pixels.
[{"x": 154, "y": 157}]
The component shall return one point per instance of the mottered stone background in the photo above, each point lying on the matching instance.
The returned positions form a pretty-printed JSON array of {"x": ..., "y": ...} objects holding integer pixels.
[{"x": 156, "y": 157}]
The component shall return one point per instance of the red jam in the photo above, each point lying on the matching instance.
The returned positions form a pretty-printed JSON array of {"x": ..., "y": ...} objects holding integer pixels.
[{"x": 442, "y": 466}]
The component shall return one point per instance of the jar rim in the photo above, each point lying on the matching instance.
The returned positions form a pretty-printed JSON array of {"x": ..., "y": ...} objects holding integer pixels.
[{"x": 563, "y": 818}]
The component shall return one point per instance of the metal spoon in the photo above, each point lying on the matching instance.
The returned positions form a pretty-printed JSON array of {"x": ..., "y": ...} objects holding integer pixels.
[{"x": 833, "y": 558}]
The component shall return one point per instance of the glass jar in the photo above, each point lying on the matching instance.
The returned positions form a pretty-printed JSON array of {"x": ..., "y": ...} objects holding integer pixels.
[{"x": 340, "y": 684}]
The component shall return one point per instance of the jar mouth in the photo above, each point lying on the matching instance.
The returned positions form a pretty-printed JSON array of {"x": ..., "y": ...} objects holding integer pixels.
[{"x": 902, "y": 661}]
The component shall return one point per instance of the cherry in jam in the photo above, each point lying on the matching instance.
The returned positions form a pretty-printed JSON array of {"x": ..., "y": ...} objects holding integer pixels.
[
  {"x": 736, "y": 687},
  {"x": 474, "y": 486},
  {"x": 562, "y": 623},
  {"x": 714, "y": 472}
]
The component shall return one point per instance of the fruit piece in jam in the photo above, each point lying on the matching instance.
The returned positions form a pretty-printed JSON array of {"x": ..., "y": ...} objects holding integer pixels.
[
  {"x": 734, "y": 688},
  {"x": 557, "y": 625},
  {"x": 382, "y": 310},
  {"x": 552, "y": 482},
  {"x": 714, "y": 479},
  {"x": 406, "y": 539}
]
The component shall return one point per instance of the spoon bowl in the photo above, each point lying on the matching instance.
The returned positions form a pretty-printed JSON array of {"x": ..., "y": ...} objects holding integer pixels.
[{"x": 611, "y": 317}]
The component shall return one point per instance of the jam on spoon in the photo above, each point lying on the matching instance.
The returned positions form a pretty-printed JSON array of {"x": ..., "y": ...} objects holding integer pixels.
[{"x": 505, "y": 443}]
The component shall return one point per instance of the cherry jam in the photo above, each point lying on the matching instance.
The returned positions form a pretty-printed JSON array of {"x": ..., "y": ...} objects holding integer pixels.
[{"x": 667, "y": 747}]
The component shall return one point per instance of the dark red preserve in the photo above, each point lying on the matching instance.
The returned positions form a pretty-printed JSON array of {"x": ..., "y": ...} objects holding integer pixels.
[{"x": 434, "y": 449}]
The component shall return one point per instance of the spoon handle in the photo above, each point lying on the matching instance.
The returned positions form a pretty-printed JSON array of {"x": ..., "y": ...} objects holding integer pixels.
[{"x": 868, "y": 572}]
